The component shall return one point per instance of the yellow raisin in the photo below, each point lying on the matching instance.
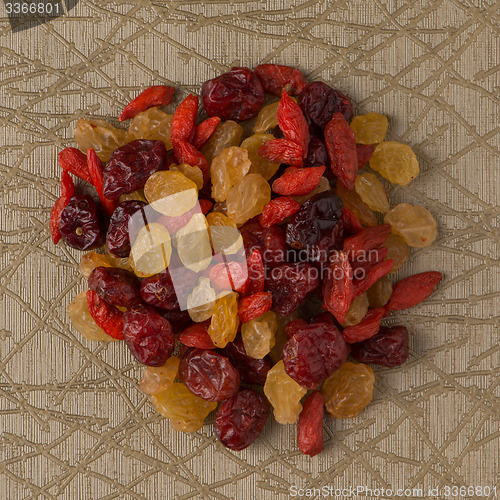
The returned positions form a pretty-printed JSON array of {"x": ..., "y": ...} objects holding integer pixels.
[
  {"x": 156, "y": 379},
  {"x": 134, "y": 195},
  {"x": 356, "y": 205},
  {"x": 193, "y": 244},
  {"x": 259, "y": 165},
  {"x": 380, "y": 293},
  {"x": 227, "y": 134},
  {"x": 372, "y": 192},
  {"x": 151, "y": 250},
  {"x": 90, "y": 260},
  {"x": 151, "y": 124},
  {"x": 267, "y": 118},
  {"x": 398, "y": 251},
  {"x": 191, "y": 172},
  {"x": 258, "y": 335},
  {"x": 395, "y": 161},
  {"x": 227, "y": 169},
  {"x": 280, "y": 336},
  {"x": 357, "y": 310},
  {"x": 370, "y": 128},
  {"x": 224, "y": 234},
  {"x": 201, "y": 301},
  {"x": 225, "y": 321}
]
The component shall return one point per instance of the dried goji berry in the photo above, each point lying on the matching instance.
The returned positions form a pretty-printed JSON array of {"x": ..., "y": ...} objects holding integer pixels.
[
  {"x": 256, "y": 273},
  {"x": 184, "y": 120},
  {"x": 95, "y": 168},
  {"x": 277, "y": 210},
  {"x": 282, "y": 151},
  {"x": 412, "y": 290},
  {"x": 376, "y": 272},
  {"x": 292, "y": 122},
  {"x": 341, "y": 147},
  {"x": 253, "y": 306},
  {"x": 361, "y": 243},
  {"x": 204, "y": 131},
  {"x": 67, "y": 192},
  {"x": 365, "y": 152},
  {"x": 310, "y": 426},
  {"x": 197, "y": 336},
  {"x": 367, "y": 260},
  {"x": 157, "y": 95},
  {"x": 187, "y": 153},
  {"x": 295, "y": 326},
  {"x": 298, "y": 181},
  {"x": 367, "y": 328},
  {"x": 350, "y": 221},
  {"x": 108, "y": 317},
  {"x": 275, "y": 78},
  {"x": 338, "y": 286},
  {"x": 75, "y": 162}
]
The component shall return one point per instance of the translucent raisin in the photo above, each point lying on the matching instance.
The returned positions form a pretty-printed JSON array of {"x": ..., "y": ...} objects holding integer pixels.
[
  {"x": 398, "y": 251},
  {"x": 357, "y": 310},
  {"x": 353, "y": 202},
  {"x": 153, "y": 125},
  {"x": 258, "y": 335},
  {"x": 380, "y": 293},
  {"x": 227, "y": 134},
  {"x": 227, "y": 169},
  {"x": 395, "y": 161},
  {"x": 193, "y": 244},
  {"x": 156, "y": 379},
  {"x": 372, "y": 192},
  {"x": 201, "y": 301},
  {"x": 370, "y": 128},
  {"x": 225, "y": 320}
]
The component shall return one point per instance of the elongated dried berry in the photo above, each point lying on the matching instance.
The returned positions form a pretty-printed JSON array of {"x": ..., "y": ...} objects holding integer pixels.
[
  {"x": 278, "y": 209},
  {"x": 253, "y": 306},
  {"x": 367, "y": 328},
  {"x": 361, "y": 243},
  {"x": 282, "y": 151},
  {"x": 338, "y": 286},
  {"x": 276, "y": 78},
  {"x": 310, "y": 427},
  {"x": 157, "y": 95},
  {"x": 117, "y": 287},
  {"x": 298, "y": 181},
  {"x": 270, "y": 242},
  {"x": 197, "y": 336},
  {"x": 292, "y": 122}
]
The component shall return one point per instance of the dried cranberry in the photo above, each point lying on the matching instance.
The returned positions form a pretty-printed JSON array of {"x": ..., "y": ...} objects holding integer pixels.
[
  {"x": 80, "y": 223},
  {"x": 275, "y": 78},
  {"x": 159, "y": 291},
  {"x": 209, "y": 375},
  {"x": 251, "y": 370},
  {"x": 290, "y": 284},
  {"x": 237, "y": 95},
  {"x": 319, "y": 102},
  {"x": 131, "y": 165},
  {"x": 318, "y": 218},
  {"x": 317, "y": 155},
  {"x": 118, "y": 237},
  {"x": 269, "y": 241},
  {"x": 116, "y": 286},
  {"x": 240, "y": 419},
  {"x": 314, "y": 353},
  {"x": 179, "y": 320},
  {"x": 148, "y": 335},
  {"x": 389, "y": 347}
]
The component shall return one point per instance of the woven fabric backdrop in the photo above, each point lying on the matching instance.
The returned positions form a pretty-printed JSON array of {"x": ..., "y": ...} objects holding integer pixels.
[{"x": 74, "y": 424}]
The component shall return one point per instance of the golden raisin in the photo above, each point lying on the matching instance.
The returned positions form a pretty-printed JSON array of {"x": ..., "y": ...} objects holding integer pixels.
[
  {"x": 225, "y": 320},
  {"x": 227, "y": 169},
  {"x": 357, "y": 310},
  {"x": 201, "y": 301},
  {"x": 355, "y": 204},
  {"x": 372, "y": 192},
  {"x": 267, "y": 118},
  {"x": 370, "y": 128},
  {"x": 227, "y": 134},
  {"x": 259, "y": 165},
  {"x": 156, "y": 379},
  {"x": 151, "y": 250},
  {"x": 152, "y": 124},
  {"x": 398, "y": 251},
  {"x": 224, "y": 234},
  {"x": 395, "y": 161},
  {"x": 258, "y": 335},
  {"x": 380, "y": 293},
  {"x": 191, "y": 172},
  {"x": 193, "y": 244}
]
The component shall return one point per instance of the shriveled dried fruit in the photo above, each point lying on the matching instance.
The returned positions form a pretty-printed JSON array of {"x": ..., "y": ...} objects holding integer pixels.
[
  {"x": 295, "y": 326},
  {"x": 116, "y": 286},
  {"x": 108, "y": 317},
  {"x": 267, "y": 119},
  {"x": 227, "y": 134},
  {"x": 350, "y": 222},
  {"x": 258, "y": 335},
  {"x": 395, "y": 161},
  {"x": 277, "y": 210},
  {"x": 184, "y": 121},
  {"x": 298, "y": 181},
  {"x": 133, "y": 196},
  {"x": 310, "y": 427},
  {"x": 247, "y": 198},
  {"x": 156, "y": 379},
  {"x": 201, "y": 301},
  {"x": 359, "y": 208},
  {"x": 284, "y": 394},
  {"x": 362, "y": 284},
  {"x": 240, "y": 419},
  {"x": 380, "y": 293},
  {"x": 193, "y": 173},
  {"x": 314, "y": 353},
  {"x": 270, "y": 242},
  {"x": 366, "y": 328},
  {"x": 317, "y": 155},
  {"x": 67, "y": 192},
  {"x": 159, "y": 291},
  {"x": 398, "y": 251},
  {"x": 370, "y": 128},
  {"x": 412, "y": 290},
  {"x": 95, "y": 167},
  {"x": 185, "y": 152},
  {"x": 292, "y": 122},
  {"x": 153, "y": 125},
  {"x": 413, "y": 223},
  {"x": 204, "y": 131},
  {"x": 360, "y": 244},
  {"x": 91, "y": 260},
  {"x": 349, "y": 390},
  {"x": 259, "y": 165},
  {"x": 75, "y": 162},
  {"x": 209, "y": 375},
  {"x": 197, "y": 336},
  {"x": 282, "y": 151},
  {"x": 389, "y": 347},
  {"x": 227, "y": 169},
  {"x": 185, "y": 410},
  {"x": 157, "y": 95},
  {"x": 254, "y": 305},
  {"x": 372, "y": 192},
  {"x": 193, "y": 244},
  {"x": 338, "y": 286},
  {"x": 275, "y": 78},
  {"x": 365, "y": 152},
  {"x": 357, "y": 310},
  {"x": 324, "y": 185},
  {"x": 225, "y": 321},
  {"x": 224, "y": 234}
]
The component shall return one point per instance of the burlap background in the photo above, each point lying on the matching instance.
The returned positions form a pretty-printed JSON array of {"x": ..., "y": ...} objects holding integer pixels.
[{"x": 73, "y": 422}]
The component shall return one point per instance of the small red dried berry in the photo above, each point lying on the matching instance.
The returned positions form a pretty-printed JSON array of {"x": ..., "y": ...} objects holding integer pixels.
[
  {"x": 351, "y": 223},
  {"x": 107, "y": 317},
  {"x": 360, "y": 244},
  {"x": 67, "y": 192},
  {"x": 75, "y": 162},
  {"x": 362, "y": 265},
  {"x": 197, "y": 336},
  {"x": 95, "y": 168},
  {"x": 298, "y": 181},
  {"x": 310, "y": 426},
  {"x": 338, "y": 286},
  {"x": 365, "y": 152},
  {"x": 253, "y": 306},
  {"x": 277, "y": 210},
  {"x": 184, "y": 120},
  {"x": 187, "y": 153},
  {"x": 276, "y": 78},
  {"x": 282, "y": 151},
  {"x": 292, "y": 122},
  {"x": 256, "y": 273},
  {"x": 368, "y": 327},
  {"x": 157, "y": 95},
  {"x": 159, "y": 291},
  {"x": 116, "y": 286},
  {"x": 204, "y": 131},
  {"x": 360, "y": 286},
  {"x": 295, "y": 326}
]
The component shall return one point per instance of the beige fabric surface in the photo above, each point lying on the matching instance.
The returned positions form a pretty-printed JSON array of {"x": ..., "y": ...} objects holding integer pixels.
[{"x": 73, "y": 423}]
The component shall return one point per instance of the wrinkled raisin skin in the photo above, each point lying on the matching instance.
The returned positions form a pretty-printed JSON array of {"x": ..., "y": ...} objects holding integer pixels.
[
  {"x": 209, "y": 375},
  {"x": 240, "y": 419},
  {"x": 116, "y": 286},
  {"x": 159, "y": 291}
]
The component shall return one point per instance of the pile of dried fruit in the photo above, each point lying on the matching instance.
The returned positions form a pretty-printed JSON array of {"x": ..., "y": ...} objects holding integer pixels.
[{"x": 259, "y": 260}]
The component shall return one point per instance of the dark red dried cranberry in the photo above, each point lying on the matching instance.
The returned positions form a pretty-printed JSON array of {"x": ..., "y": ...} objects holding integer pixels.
[
  {"x": 290, "y": 284},
  {"x": 159, "y": 291},
  {"x": 237, "y": 95},
  {"x": 179, "y": 320},
  {"x": 389, "y": 347},
  {"x": 118, "y": 236},
  {"x": 269, "y": 241},
  {"x": 251, "y": 370},
  {"x": 317, "y": 155},
  {"x": 319, "y": 102},
  {"x": 276, "y": 78},
  {"x": 209, "y": 375},
  {"x": 317, "y": 218},
  {"x": 240, "y": 419},
  {"x": 80, "y": 224},
  {"x": 116, "y": 286},
  {"x": 314, "y": 353},
  {"x": 148, "y": 335},
  {"x": 131, "y": 165}
]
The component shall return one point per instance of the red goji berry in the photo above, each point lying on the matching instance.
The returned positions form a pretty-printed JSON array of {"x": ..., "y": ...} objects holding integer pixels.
[
  {"x": 277, "y": 210},
  {"x": 373, "y": 274},
  {"x": 365, "y": 152},
  {"x": 362, "y": 265},
  {"x": 292, "y": 122},
  {"x": 107, "y": 316},
  {"x": 295, "y": 326},
  {"x": 157, "y": 95},
  {"x": 338, "y": 286},
  {"x": 253, "y": 306},
  {"x": 341, "y": 146},
  {"x": 256, "y": 273},
  {"x": 298, "y": 181},
  {"x": 197, "y": 336},
  {"x": 187, "y": 153},
  {"x": 351, "y": 222},
  {"x": 95, "y": 168},
  {"x": 275, "y": 78},
  {"x": 67, "y": 192},
  {"x": 412, "y": 290},
  {"x": 184, "y": 120},
  {"x": 75, "y": 162},
  {"x": 310, "y": 426},
  {"x": 282, "y": 151},
  {"x": 204, "y": 131},
  {"x": 368, "y": 327},
  {"x": 360, "y": 244}
]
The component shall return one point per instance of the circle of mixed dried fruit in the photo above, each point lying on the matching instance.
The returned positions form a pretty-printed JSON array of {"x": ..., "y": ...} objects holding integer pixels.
[{"x": 259, "y": 257}]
